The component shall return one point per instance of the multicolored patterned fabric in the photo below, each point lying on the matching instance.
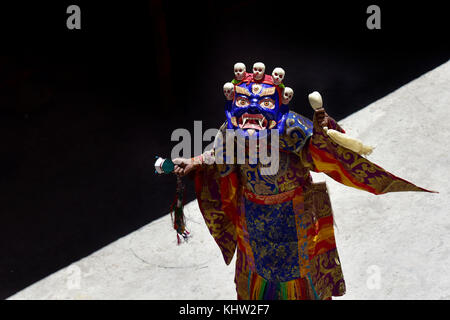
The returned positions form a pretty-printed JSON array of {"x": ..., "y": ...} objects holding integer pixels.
[
  {"x": 351, "y": 169},
  {"x": 273, "y": 239},
  {"x": 220, "y": 225},
  {"x": 281, "y": 226},
  {"x": 320, "y": 271},
  {"x": 296, "y": 289}
]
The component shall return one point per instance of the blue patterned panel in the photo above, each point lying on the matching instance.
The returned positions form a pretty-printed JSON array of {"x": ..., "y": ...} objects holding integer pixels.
[
  {"x": 273, "y": 239},
  {"x": 297, "y": 131}
]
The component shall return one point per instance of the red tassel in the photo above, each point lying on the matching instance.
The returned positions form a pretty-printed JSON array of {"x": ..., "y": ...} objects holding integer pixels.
[{"x": 177, "y": 214}]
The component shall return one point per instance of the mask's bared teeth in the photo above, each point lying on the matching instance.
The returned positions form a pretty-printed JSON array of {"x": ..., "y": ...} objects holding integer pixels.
[{"x": 244, "y": 121}]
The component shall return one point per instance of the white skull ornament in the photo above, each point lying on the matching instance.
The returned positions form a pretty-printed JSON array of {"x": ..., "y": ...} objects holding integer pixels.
[
  {"x": 278, "y": 76},
  {"x": 239, "y": 71},
  {"x": 258, "y": 70},
  {"x": 288, "y": 93},
  {"x": 228, "y": 90}
]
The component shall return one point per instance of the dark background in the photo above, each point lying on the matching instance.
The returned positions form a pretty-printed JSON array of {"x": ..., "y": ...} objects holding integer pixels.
[{"x": 84, "y": 112}]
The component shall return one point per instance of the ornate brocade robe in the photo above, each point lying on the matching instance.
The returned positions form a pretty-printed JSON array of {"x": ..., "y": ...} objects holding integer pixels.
[{"x": 281, "y": 225}]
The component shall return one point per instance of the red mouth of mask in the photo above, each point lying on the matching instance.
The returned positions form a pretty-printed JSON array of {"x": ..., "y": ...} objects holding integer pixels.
[{"x": 252, "y": 121}]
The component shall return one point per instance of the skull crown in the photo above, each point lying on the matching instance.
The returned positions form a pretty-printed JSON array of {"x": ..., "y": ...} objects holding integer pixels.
[{"x": 259, "y": 69}]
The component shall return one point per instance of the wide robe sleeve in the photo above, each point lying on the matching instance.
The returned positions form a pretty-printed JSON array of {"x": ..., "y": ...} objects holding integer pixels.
[
  {"x": 348, "y": 167},
  {"x": 216, "y": 198},
  {"x": 217, "y": 190}
]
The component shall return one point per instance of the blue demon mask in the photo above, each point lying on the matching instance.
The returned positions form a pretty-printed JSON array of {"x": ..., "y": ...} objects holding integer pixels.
[{"x": 257, "y": 102}]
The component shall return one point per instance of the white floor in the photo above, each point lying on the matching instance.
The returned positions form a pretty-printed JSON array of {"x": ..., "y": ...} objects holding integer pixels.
[{"x": 394, "y": 246}]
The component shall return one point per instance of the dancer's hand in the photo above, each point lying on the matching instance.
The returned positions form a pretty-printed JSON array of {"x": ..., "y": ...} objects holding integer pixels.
[
  {"x": 325, "y": 121},
  {"x": 183, "y": 166},
  {"x": 321, "y": 117}
]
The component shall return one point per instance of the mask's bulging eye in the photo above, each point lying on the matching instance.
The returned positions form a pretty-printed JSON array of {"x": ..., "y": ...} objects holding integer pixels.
[
  {"x": 267, "y": 103},
  {"x": 242, "y": 102}
]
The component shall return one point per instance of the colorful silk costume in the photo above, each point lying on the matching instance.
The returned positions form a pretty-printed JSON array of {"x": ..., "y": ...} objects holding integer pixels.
[{"x": 281, "y": 225}]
